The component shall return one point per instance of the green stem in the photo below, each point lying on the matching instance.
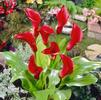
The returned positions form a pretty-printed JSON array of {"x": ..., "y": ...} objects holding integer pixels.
[{"x": 51, "y": 63}]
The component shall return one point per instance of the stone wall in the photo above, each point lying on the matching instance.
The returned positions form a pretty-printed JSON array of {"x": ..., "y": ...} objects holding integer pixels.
[{"x": 94, "y": 31}]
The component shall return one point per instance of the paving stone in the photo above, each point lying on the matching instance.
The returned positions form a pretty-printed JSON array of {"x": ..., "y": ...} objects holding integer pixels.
[{"x": 93, "y": 51}]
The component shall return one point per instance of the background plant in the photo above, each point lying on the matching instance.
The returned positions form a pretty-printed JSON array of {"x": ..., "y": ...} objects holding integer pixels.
[
  {"x": 88, "y": 3},
  {"x": 8, "y": 91}
]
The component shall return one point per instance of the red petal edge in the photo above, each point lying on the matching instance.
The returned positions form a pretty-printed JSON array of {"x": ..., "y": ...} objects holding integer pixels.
[
  {"x": 34, "y": 17},
  {"x": 33, "y": 68},
  {"x": 62, "y": 18},
  {"x": 67, "y": 66},
  {"x": 29, "y": 38},
  {"x": 53, "y": 50},
  {"x": 76, "y": 36},
  {"x": 45, "y": 32}
]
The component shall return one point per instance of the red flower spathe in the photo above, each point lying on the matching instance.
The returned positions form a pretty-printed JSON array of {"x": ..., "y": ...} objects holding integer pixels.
[
  {"x": 76, "y": 36},
  {"x": 35, "y": 19},
  {"x": 62, "y": 18},
  {"x": 29, "y": 38},
  {"x": 67, "y": 66},
  {"x": 53, "y": 50},
  {"x": 45, "y": 32},
  {"x": 33, "y": 68},
  {"x": 34, "y": 16}
]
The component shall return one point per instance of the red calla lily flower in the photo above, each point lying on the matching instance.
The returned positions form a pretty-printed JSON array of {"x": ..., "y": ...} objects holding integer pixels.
[
  {"x": 62, "y": 18},
  {"x": 35, "y": 18},
  {"x": 76, "y": 36},
  {"x": 2, "y": 11},
  {"x": 2, "y": 45},
  {"x": 53, "y": 50},
  {"x": 33, "y": 68},
  {"x": 29, "y": 38},
  {"x": 45, "y": 31},
  {"x": 67, "y": 66}
]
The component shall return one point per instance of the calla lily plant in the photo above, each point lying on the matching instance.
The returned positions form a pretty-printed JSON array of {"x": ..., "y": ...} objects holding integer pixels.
[{"x": 50, "y": 72}]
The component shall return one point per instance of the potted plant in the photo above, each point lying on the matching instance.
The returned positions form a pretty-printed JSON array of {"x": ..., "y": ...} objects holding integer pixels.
[{"x": 50, "y": 72}]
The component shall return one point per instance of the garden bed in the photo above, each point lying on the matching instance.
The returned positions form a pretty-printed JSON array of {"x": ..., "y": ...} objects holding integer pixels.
[{"x": 37, "y": 61}]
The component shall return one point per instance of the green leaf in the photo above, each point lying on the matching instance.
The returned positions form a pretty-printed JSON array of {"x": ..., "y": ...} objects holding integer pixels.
[
  {"x": 41, "y": 59},
  {"x": 82, "y": 80},
  {"x": 53, "y": 78},
  {"x": 98, "y": 3},
  {"x": 41, "y": 83},
  {"x": 82, "y": 66},
  {"x": 62, "y": 95},
  {"x": 19, "y": 71},
  {"x": 64, "y": 2},
  {"x": 52, "y": 3},
  {"x": 56, "y": 62},
  {"x": 16, "y": 75},
  {"x": 15, "y": 62},
  {"x": 44, "y": 94},
  {"x": 62, "y": 45},
  {"x": 28, "y": 82}
]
